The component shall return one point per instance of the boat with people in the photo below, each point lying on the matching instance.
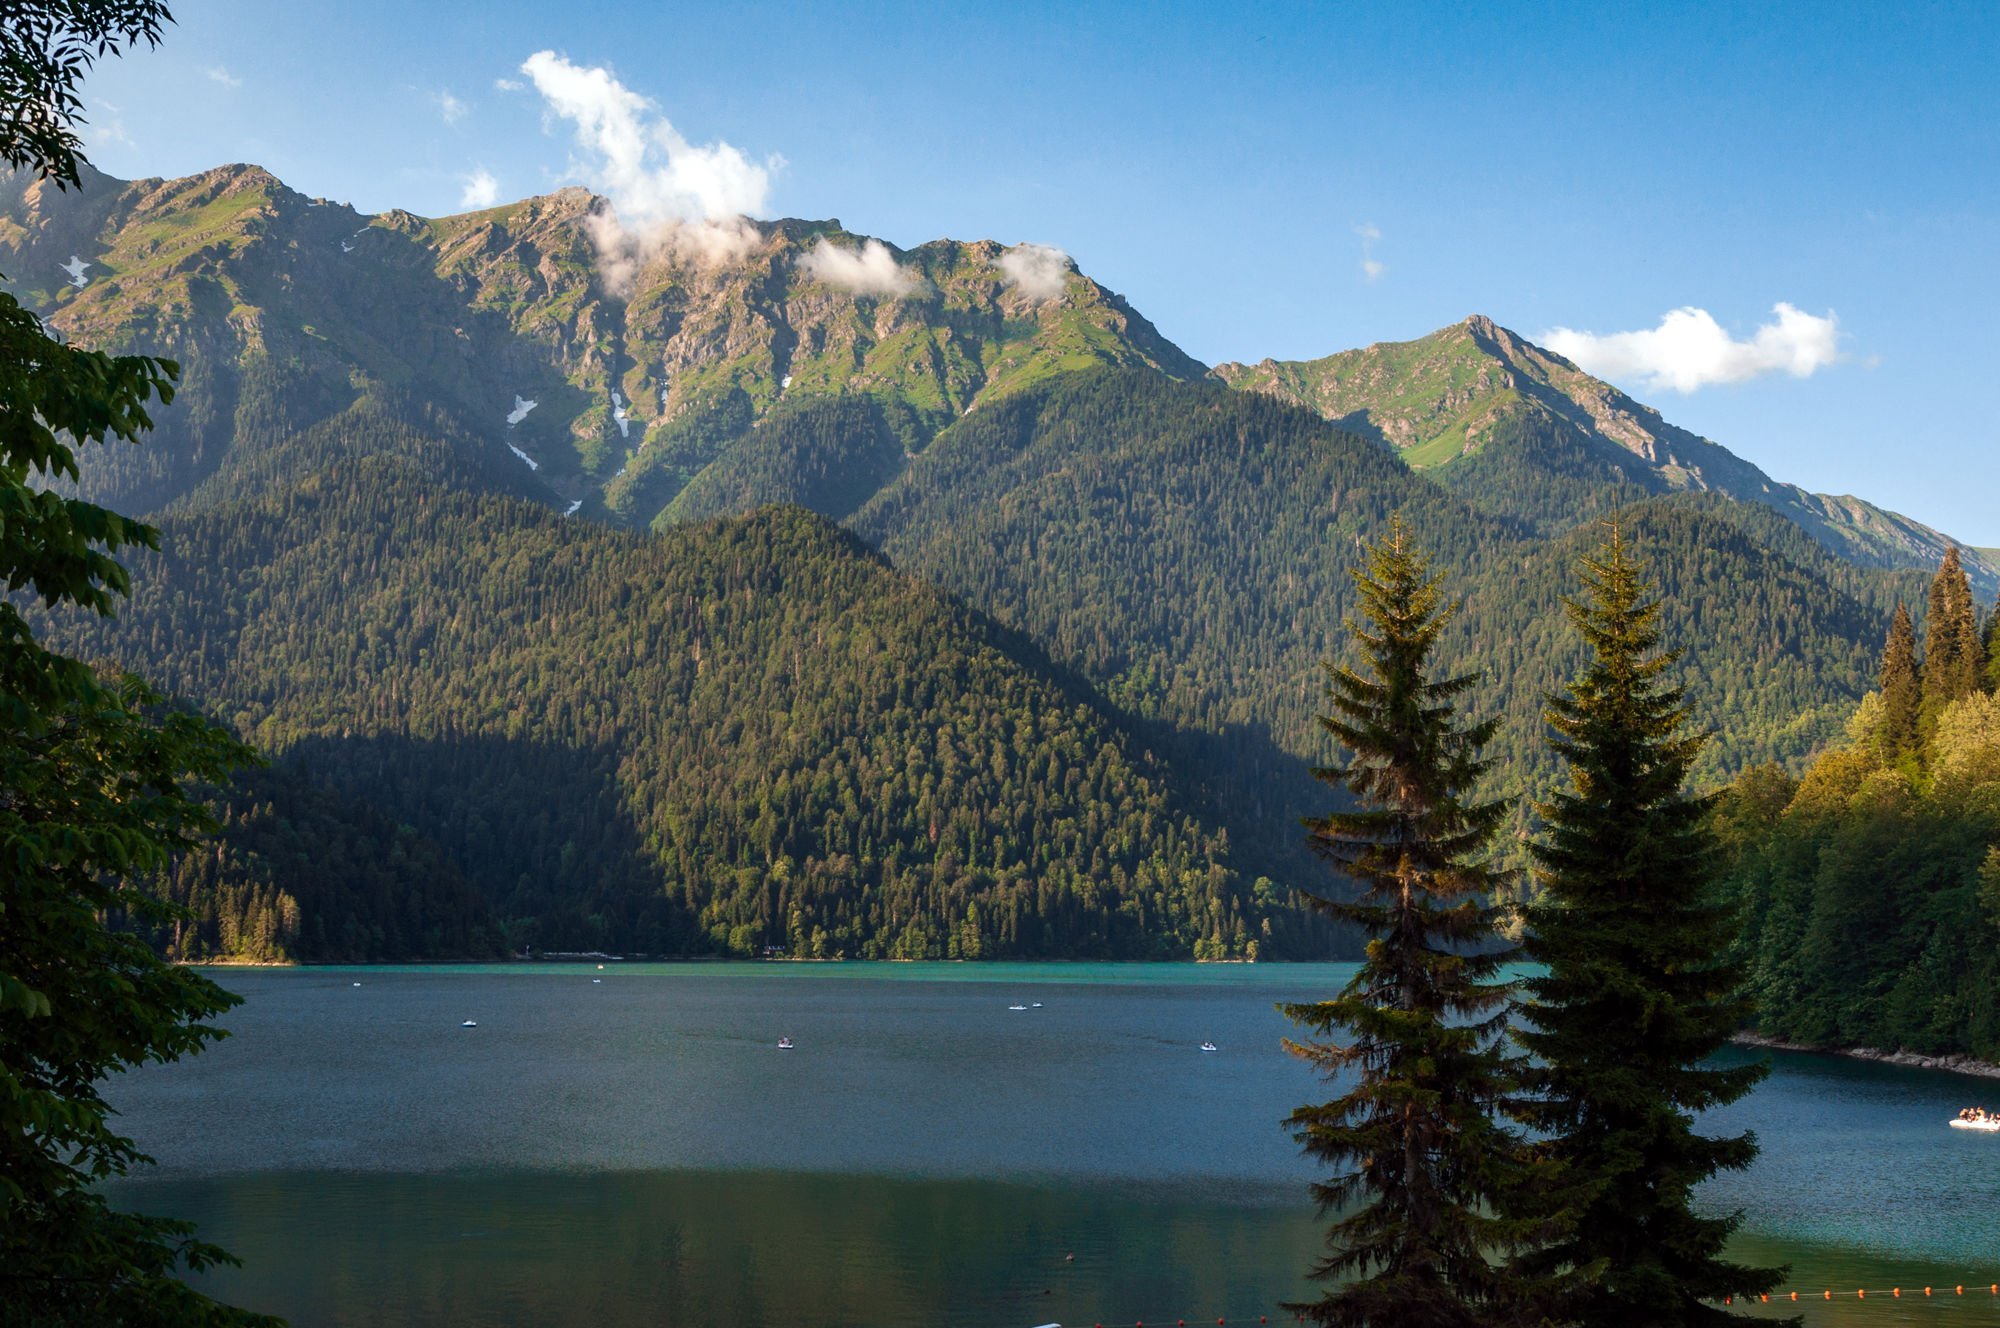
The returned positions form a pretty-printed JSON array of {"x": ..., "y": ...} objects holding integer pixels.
[
  {"x": 1210, "y": 1046},
  {"x": 470, "y": 1023},
  {"x": 784, "y": 1044},
  {"x": 1977, "y": 1118}
]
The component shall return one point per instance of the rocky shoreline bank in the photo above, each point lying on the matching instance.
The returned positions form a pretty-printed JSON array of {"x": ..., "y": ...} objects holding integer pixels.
[{"x": 1956, "y": 1064}]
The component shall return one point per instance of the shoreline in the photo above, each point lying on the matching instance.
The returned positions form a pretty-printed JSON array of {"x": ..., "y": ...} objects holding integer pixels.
[{"x": 1956, "y": 1063}]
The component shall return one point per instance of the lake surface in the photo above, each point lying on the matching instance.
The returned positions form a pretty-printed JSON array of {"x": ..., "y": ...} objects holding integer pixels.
[{"x": 629, "y": 1146}]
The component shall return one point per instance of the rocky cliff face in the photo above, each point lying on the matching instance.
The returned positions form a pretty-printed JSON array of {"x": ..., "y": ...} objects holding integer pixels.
[
  {"x": 615, "y": 366},
  {"x": 1443, "y": 399}
]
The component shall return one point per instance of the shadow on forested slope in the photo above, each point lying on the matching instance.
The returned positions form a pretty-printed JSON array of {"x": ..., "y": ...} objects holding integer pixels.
[{"x": 541, "y": 830}]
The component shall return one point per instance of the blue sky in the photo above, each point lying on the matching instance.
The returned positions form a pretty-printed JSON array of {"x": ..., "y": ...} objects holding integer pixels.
[{"x": 1235, "y": 171}]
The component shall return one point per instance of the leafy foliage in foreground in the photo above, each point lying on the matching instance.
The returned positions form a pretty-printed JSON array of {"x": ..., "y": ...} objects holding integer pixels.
[
  {"x": 92, "y": 786},
  {"x": 1872, "y": 885}
]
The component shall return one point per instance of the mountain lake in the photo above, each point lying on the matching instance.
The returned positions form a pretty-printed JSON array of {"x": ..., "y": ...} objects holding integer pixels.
[{"x": 971, "y": 1146}]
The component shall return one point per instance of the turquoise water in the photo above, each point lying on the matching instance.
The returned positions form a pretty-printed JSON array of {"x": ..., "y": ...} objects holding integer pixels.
[{"x": 630, "y": 1146}]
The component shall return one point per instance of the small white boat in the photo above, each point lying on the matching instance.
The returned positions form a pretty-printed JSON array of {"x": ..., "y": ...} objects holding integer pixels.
[
  {"x": 1210, "y": 1046},
  {"x": 1017, "y": 1007},
  {"x": 1988, "y": 1124},
  {"x": 1032, "y": 1005},
  {"x": 600, "y": 968},
  {"x": 470, "y": 1023},
  {"x": 784, "y": 1044},
  {"x": 597, "y": 980},
  {"x": 357, "y": 984}
]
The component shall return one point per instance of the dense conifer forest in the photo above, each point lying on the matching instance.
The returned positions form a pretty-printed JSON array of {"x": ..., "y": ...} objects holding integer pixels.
[{"x": 745, "y": 734}]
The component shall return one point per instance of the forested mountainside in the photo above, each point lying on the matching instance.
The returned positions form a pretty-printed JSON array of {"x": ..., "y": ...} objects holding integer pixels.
[
  {"x": 749, "y": 733},
  {"x": 1188, "y": 549},
  {"x": 1528, "y": 436},
  {"x": 613, "y": 373},
  {"x": 381, "y": 419}
]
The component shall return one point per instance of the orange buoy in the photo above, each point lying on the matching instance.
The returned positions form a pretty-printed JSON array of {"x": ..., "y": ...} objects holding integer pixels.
[
  {"x": 1829, "y": 1295},
  {"x": 1862, "y": 1294},
  {"x": 1897, "y": 1292},
  {"x": 1795, "y": 1295}
]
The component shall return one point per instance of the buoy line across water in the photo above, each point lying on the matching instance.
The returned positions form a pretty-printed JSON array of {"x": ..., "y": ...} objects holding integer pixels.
[{"x": 1862, "y": 1293}]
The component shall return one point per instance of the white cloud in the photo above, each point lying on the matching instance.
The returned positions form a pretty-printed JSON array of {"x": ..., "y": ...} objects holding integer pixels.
[
  {"x": 1369, "y": 234},
  {"x": 451, "y": 108},
  {"x": 638, "y": 159},
  {"x": 1690, "y": 350},
  {"x": 1036, "y": 270},
  {"x": 666, "y": 194},
  {"x": 481, "y": 190},
  {"x": 221, "y": 74},
  {"x": 509, "y": 85},
  {"x": 869, "y": 270}
]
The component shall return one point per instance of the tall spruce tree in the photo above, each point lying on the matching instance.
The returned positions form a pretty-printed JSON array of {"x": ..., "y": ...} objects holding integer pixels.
[
  {"x": 1953, "y": 653},
  {"x": 1902, "y": 691},
  {"x": 1634, "y": 995},
  {"x": 1420, "y": 1149}
]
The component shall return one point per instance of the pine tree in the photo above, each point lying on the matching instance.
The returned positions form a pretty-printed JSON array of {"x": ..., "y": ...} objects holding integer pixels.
[
  {"x": 1953, "y": 653},
  {"x": 1421, "y": 1151},
  {"x": 1634, "y": 997},
  {"x": 1902, "y": 693}
]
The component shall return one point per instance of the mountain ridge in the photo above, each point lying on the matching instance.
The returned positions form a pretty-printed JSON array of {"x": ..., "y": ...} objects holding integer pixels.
[
  {"x": 617, "y": 369},
  {"x": 1445, "y": 397},
  {"x": 623, "y": 382}
]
